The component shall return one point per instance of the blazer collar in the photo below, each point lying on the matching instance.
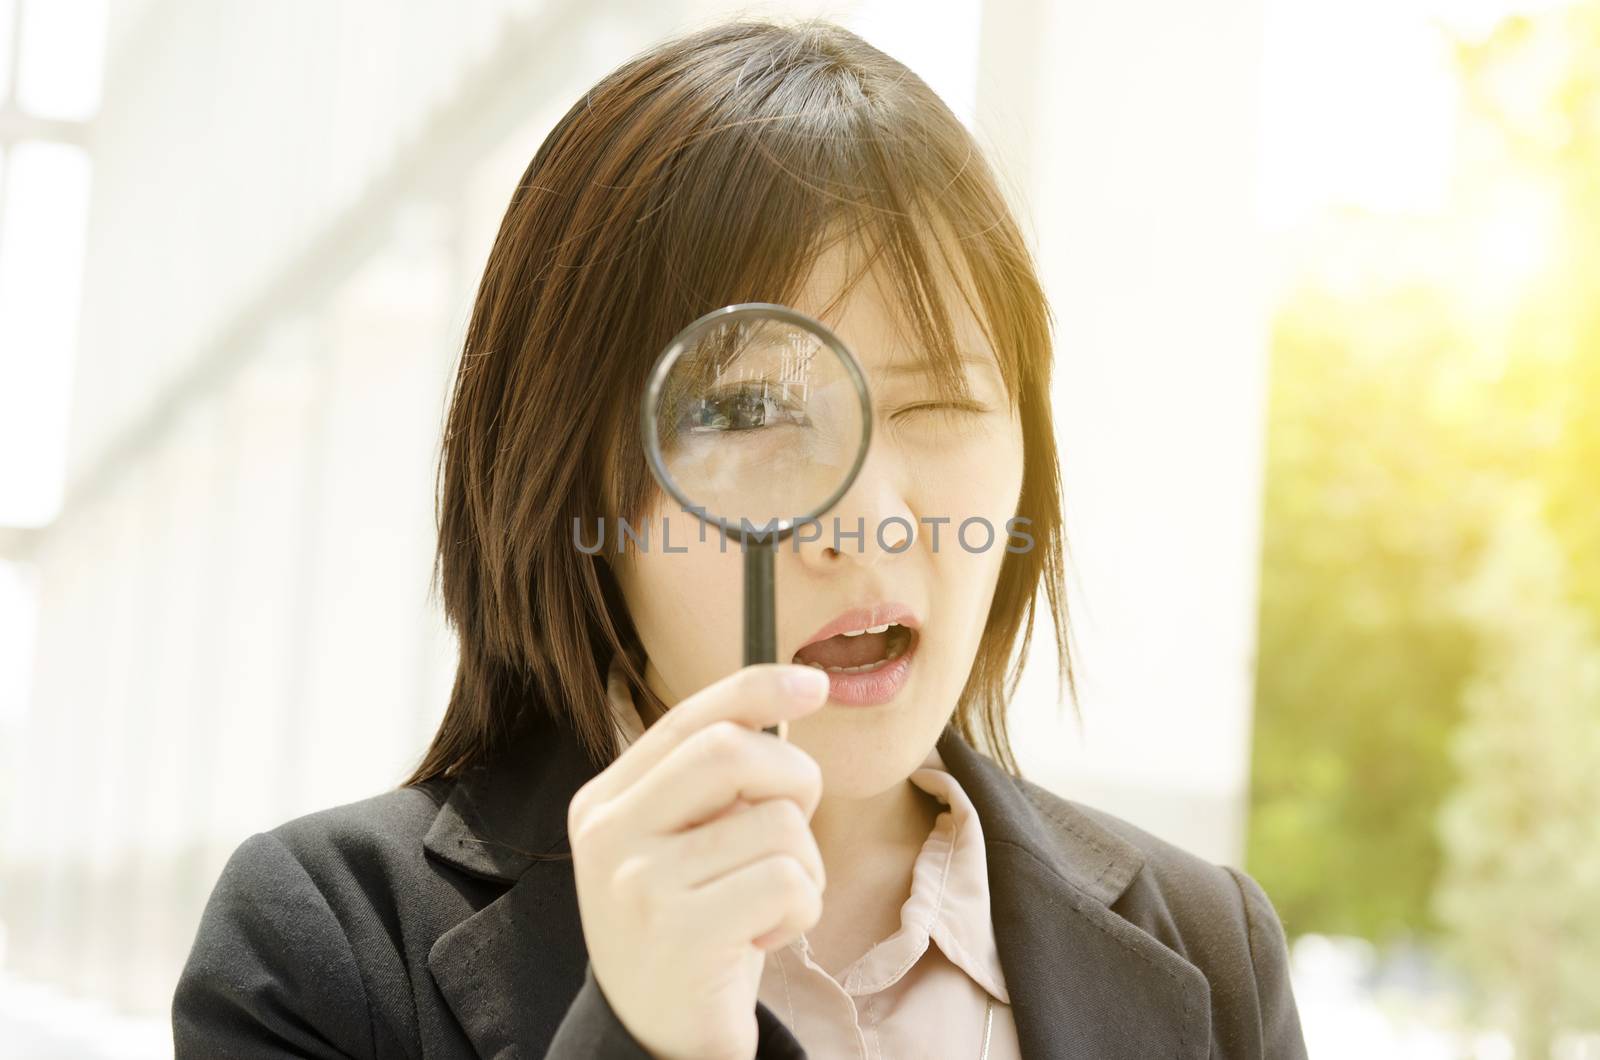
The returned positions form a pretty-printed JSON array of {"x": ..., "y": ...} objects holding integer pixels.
[{"x": 1084, "y": 982}]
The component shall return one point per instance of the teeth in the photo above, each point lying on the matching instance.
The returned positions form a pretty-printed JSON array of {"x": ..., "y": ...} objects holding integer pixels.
[
  {"x": 870, "y": 629},
  {"x": 894, "y": 653},
  {"x": 847, "y": 669}
]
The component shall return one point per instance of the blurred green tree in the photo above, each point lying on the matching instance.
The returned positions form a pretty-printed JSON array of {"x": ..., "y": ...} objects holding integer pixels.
[
  {"x": 1360, "y": 664},
  {"x": 1405, "y": 418},
  {"x": 1520, "y": 888}
]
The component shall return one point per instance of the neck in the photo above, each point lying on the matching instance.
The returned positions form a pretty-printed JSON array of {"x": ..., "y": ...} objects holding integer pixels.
[{"x": 855, "y": 834}]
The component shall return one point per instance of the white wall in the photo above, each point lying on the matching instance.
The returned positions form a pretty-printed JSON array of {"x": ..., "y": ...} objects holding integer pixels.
[{"x": 1132, "y": 131}]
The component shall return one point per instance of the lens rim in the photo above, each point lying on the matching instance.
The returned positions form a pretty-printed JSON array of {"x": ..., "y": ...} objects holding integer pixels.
[{"x": 681, "y": 343}]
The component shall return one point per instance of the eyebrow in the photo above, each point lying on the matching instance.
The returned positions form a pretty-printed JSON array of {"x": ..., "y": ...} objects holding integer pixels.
[{"x": 972, "y": 359}]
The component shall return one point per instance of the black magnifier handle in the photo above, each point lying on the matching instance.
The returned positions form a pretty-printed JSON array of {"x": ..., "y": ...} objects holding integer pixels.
[{"x": 760, "y": 605}]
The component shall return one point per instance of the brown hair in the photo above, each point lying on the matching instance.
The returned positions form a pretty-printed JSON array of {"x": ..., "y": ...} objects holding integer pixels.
[{"x": 711, "y": 169}]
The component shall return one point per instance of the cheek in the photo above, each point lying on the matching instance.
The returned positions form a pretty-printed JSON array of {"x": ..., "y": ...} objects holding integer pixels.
[
  {"x": 975, "y": 476},
  {"x": 684, "y": 602},
  {"x": 979, "y": 481}
]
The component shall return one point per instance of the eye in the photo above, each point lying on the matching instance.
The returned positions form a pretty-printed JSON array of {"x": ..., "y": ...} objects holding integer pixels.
[
  {"x": 748, "y": 408},
  {"x": 947, "y": 407}
]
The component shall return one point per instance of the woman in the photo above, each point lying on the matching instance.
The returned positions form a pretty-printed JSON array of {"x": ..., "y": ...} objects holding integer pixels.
[{"x": 602, "y": 853}]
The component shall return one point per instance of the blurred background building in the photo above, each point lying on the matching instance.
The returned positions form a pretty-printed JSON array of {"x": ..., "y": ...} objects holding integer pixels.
[{"x": 1326, "y": 397}]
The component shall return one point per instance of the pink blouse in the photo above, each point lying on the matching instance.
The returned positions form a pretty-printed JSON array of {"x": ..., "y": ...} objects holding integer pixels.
[{"x": 903, "y": 997}]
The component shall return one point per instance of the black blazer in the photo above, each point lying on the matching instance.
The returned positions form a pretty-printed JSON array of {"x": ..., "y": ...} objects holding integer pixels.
[{"x": 441, "y": 921}]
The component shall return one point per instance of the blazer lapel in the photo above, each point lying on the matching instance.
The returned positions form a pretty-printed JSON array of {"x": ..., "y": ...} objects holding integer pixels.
[
  {"x": 511, "y": 969},
  {"x": 1085, "y": 984}
]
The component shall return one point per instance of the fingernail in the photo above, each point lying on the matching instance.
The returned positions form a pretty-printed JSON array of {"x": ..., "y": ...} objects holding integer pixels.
[{"x": 806, "y": 682}]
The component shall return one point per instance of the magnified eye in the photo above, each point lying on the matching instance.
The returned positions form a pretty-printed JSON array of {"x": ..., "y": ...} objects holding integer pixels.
[{"x": 745, "y": 408}]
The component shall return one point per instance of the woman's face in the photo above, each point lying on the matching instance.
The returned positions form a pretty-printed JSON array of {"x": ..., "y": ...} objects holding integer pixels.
[{"x": 929, "y": 467}]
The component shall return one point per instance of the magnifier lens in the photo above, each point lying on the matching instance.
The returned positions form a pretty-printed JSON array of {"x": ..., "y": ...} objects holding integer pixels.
[{"x": 759, "y": 419}]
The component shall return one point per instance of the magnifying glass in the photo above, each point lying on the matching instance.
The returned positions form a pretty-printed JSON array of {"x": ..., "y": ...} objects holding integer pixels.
[{"x": 757, "y": 419}]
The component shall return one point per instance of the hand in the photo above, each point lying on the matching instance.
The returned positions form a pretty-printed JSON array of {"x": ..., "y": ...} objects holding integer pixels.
[{"x": 693, "y": 856}]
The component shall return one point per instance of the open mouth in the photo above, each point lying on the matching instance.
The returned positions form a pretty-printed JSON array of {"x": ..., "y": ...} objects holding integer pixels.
[{"x": 860, "y": 651}]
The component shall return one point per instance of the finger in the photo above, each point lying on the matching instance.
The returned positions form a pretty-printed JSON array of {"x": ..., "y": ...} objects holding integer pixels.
[
  {"x": 773, "y": 899},
  {"x": 713, "y": 767},
  {"x": 754, "y": 696},
  {"x": 699, "y": 855}
]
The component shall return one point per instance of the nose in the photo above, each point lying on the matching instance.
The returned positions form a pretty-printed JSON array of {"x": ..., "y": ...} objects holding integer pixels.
[{"x": 872, "y": 522}]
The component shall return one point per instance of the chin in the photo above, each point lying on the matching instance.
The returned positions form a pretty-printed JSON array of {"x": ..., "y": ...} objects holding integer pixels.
[{"x": 863, "y": 756}]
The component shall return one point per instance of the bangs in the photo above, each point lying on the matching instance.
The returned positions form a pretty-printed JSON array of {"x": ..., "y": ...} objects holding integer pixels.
[{"x": 750, "y": 191}]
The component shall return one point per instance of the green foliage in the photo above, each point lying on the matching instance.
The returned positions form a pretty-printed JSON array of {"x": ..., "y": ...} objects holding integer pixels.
[
  {"x": 1520, "y": 889},
  {"x": 1370, "y": 511},
  {"x": 1408, "y": 423}
]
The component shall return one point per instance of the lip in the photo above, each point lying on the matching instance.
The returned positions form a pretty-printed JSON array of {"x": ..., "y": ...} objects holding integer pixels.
[
  {"x": 863, "y": 617},
  {"x": 877, "y": 686}
]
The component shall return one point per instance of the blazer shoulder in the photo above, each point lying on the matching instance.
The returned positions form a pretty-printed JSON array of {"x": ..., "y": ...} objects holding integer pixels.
[
  {"x": 379, "y": 828},
  {"x": 312, "y": 931},
  {"x": 1216, "y": 916},
  {"x": 1173, "y": 874},
  {"x": 1212, "y": 914},
  {"x": 1170, "y": 873},
  {"x": 271, "y": 966}
]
